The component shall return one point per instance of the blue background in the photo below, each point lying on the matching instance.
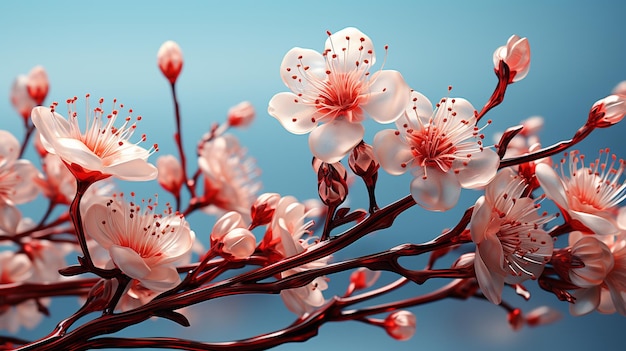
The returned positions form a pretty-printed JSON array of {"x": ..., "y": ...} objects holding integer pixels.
[{"x": 232, "y": 53}]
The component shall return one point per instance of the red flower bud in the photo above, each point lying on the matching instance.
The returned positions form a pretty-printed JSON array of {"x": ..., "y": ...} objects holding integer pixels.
[{"x": 170, "y": 60}]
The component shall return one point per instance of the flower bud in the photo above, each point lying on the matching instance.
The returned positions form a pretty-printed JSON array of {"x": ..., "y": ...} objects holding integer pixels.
[
  {"x": 608, "y": 111},
  {"x": 516, "y": 319},
  {"x": 170, "y": 60},
  {"x": 542, "y": 315},
  {"x": 170, "y": 173},
  {"x": 239, "y": 243},
  {"x": 241, "y": 115},
  {"x": 263, "y": 209},
  {"x": 227, "y": 223},
  {"x": 331, "y": 182},
  {"x": 401, "y": 325},
  {"x": 20, "y": 98},
  {"x": 596, "y": 258},
  {"x": 363, "y": 162},
  {"x": 363, "y": 278},
  {"x": 37, "y": 84},
  {"x": 516, "y": 55}
]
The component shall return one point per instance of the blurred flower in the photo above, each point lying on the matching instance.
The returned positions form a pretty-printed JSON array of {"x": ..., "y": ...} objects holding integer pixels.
[
  {"x": 589, "y": 196},
  {"x": 241, "y": 115},
  {"x": 542, "y": 315},
  {"x": 59, "y": 184},
  {"x": 103, "y": 150},
  {"x": 516, "y": 54},
  {"x": 37, "y": 84},
  {"x": 335, "y": 88},
  {"x": 608, "y": 111},
  {"x": 511, "y": 245},
  {"x": 401, "y": 325},
  {"x": 170, "y": 60},
  {"x": 363, "y": 278},
  {"x": 170, "y": 173},
  {"x": 141, "y": 243},
  {"x": 442, "y": 148},
  {"x": 21, "y": 100}
]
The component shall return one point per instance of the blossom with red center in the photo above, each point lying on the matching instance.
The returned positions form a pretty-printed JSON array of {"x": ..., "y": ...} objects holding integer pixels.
[
  {"x": 103, "y": 150},
  {"x": 17, "y": 182},
  {"x": 230, "y": 176},
  {"x": 442, "y": 148},
  {"x": 141, "y": 243},
  {"x": 331, "y": 91},
  {"x": 511, "y": 245},
  {"x": 590, "y": 195}
]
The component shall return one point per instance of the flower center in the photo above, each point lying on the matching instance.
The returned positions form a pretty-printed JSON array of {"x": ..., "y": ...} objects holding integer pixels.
[
  {"x": 341, "y": 94},
  {"x": 431, "y": 148}
]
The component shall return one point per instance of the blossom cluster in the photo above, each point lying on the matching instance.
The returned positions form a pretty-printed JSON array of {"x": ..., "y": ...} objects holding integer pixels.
[{"x": 140, "y": 259}]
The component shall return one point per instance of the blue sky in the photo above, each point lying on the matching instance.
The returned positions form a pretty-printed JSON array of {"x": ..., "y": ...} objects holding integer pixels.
[{"x": 232, "y": 53}]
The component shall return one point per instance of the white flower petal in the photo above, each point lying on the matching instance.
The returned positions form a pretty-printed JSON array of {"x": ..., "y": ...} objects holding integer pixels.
[
  {"x": 129, "y": 262},
  {"x": 331, "y": 141},
  {"x": 419, "y": 107},
  {"x": 438, "y": 192},
  {"x": 490, "y": 284},
  {"x": 586, "y": 301},
  {"x": 596, "y": 224},
  {"x": 391, "y": 151},
  {"x": 552, "y": 185},
  {"x": 134, "y": 169},
  {"x": 481, "y": 219},
  {"x": 480, "y": 169},
  {"x": 293, "y": 72},
  {"x": 357, "y": 47},
  {"x": 10, "y": 217},
  {"x": 161, "y": 278},
  {"x": 75, "y": 151},
  {"x": 296, "y": 117},
  {"x": 9, "y": 148},
  {"x": 96, "y": 225},
  {"x": 50, "y": 125},
  {"x": 388, "y": 97}
]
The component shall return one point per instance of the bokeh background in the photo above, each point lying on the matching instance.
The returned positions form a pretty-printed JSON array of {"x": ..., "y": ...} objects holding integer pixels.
[{"x": 232, "y": 52}]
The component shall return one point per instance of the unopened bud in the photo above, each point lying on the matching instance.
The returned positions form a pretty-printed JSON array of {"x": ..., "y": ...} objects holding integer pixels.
[
  {"x": 331, "y": 182},
  {"x": 516, "y": 319},
  {"x": 516, "y": 55},
  {"x": 170, "y": 60},
  {"x": 363, "y": 278},
  {"x": 363, "y": 162},
  {"x": 241, "y": 115},
  {"x": 401, "y": 325},
  {"x": 225, "y": 224},
  {"x": 263, "y": 209},
  {"x": 37, "y": 84},
  {"x": 170, "y": 173},
  {"x": 542, "y": 315},
  {"x": 20, "y": 98},
  {"x": 608, "y": 111},
  {"x": 239, "y": 243}
]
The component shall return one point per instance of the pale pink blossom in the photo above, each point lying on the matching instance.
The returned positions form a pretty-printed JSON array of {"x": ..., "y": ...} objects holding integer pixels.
[
  {"x": 59, "y": 184},
  {"x": 37, "y": 84},
  {"x": 233, "y": 236},
  {"x": 230, "y": 176},
  {"x": 17, "y": 182},
  {"x": 516, "y": 54},
  {"x": 241, "y": 115},
  {"x": 443, "y": 149},
  {"x": 401, "y": 325},
  {"x": 511, "y": 245},
  {"x": 331, "y": 92},
  {"x": 21, "y": 100},
  {"x": 608, "y": 111},
  {"x": 588, "y": 195},
  {"x": 141, "y": 243},
  {"x": 170, "y": 175},
  {"x": 170, "y": 60},
  {"x": 596, "y": 257},
  {"x": 103, "y": 150}
]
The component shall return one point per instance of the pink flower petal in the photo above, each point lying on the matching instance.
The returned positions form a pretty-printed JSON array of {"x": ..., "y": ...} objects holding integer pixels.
[
  {"x": 586, "y": 301},
  {"x": 129, "y": 261},
  {"x": 490, "y": 284},
  {"x": 292, "y": 68},
  {"x": 481, "y": 220},
  {"x": 480, "y": 169},
  {"x": 296, "y": 117},
  {"x": 161, "y": 278},
  {"x": 419, "y": 107},
  {"x": 9, "y": 148},
  {"x": 438, "y": 192},
  {"x": 10, "y": 217},
  {"x": 79, "y": 152},
  {"x": 596, "y": 224},
  {"x": 134, "y": 169},
  {"x": 498, "y": 185},
  {"x": 50, "y": 125},
  {"x": 96, "y": 226},
  {"x": 391, "y": 151},
  {"x": 27, "y": 189},
  {"x": 388, "y": 97},
  {"x": 552, "y": 185},
  {"x": 331, "y": 141}
]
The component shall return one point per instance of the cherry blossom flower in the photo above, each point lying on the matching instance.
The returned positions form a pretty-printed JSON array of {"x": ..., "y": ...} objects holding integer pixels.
[
  {"x": 589, "y": 196},
  {"x": 170, "y": 176},
  {"x": 596, "y": 257},
  {"x": 59, "y": 184},
  {"x": 442, "y": 148},
  {"x": 510, "y": 245},
  {"x": 241, "y": 115},
  {"x": 516, "y": 54},
  {"x": 141, "y": 243},
  {"x": 231, "y": 232},
  {"x": 542, "y": 315},
  {"x": 230, "y": 176},
  {"x": 21, "y": 100},
  {"x": 608, "y": 111},
  {"x": 401, "y": 325},
  {"x": 170, "y": 60},
  {"x": 103, "y": 150},
  {"x": 17, "y": 182},
  {"x": 332, "y": 91},
  {"x": 285, "y": 238}
]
